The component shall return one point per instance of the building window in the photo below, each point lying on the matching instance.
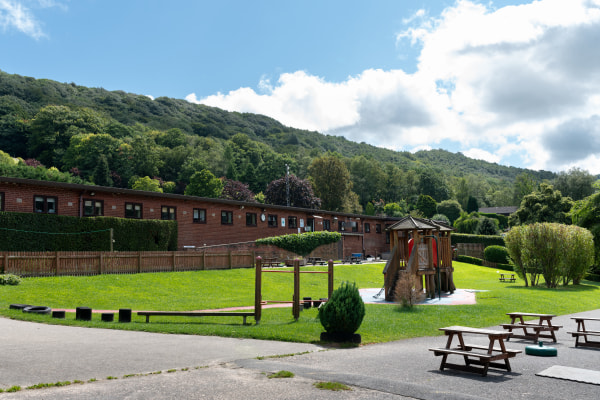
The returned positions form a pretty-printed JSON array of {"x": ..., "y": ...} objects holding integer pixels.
[
  {"x": 353, "y": 225},
  {"x": 1, "y": 201},
  {"x": 251, "y": 219},
  {"x": 341, "y": 225},
  {"x": 367, "y": 227},
  {"x": 292, "y": 222},
  {"x": 377, "y": 228},
  {"x": 226, "y": 217},
  {"x": 93, "y": 208},
  {"x": 272, "y": 221},
  {"x": 199, "y": 215},
  {"x": 168, "y": 213},
  {"x": 326, "y": 225},
  {"x": 133, "y": 210},
  {"x": 45, "y": 204},
  {"x": 387, "y": 237}
]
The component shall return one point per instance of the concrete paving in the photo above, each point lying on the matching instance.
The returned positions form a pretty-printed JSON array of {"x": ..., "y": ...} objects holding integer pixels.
[{"x": 224, "y": 368}]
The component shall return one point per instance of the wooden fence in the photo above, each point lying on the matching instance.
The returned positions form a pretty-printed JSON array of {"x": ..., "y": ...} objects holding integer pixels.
[{"x": 131, "y": 262}]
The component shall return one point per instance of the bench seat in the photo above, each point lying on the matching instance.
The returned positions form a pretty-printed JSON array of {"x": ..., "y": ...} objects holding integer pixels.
[
  {"x": 583, "y": 333},
  {"x": 471, "y": 357},
  {"x": 531, "y": 326},
  {"x": 197, "y": 314},
  {"x": 512, "y": 352}
]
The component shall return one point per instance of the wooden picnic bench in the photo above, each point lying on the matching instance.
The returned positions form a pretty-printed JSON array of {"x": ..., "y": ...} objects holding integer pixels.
[
  {"x": 316, "y": 260},
  {"x": 198, "y": 314},
  {"x": 582, "y": 331},
  {"x": 507, "y": 278},
  {"x": 485, "y": 356},
  {"x": 543, "y": 325},
  {"x": 270, "y": 262}
]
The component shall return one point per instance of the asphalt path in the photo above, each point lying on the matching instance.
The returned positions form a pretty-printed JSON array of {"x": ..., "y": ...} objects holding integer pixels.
[{"x": 139, "y": 365}]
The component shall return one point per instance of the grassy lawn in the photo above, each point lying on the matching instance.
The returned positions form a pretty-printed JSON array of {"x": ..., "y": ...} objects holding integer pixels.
[{"x": 229, "y": 288}]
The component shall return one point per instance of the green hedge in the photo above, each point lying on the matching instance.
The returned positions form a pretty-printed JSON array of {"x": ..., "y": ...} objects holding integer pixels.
[
  {"x": 487, "y": 240},
  {"x": 22, "y": 232},
  {"x": 470, "y": 260}
]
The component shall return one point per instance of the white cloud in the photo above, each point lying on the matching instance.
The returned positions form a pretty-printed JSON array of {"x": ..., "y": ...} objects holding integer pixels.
[
  {"x": 480, "y": 154},
  {"x": 531, "y": 91},
  {"x": 14, "y": 15}
]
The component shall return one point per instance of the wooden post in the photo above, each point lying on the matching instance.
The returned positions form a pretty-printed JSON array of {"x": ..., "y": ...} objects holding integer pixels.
[
  {"x": 139, "y": 262},
  {"x": 330, "y": 279},
  {"x": 101, "y": 262},
  {"x": 174, "y": 260},
  {"x": 258, "y": 290},
  {"x": 230, "y": 259},
  {"x": 203, "y": 260},
  {"x": 57, "y": 263},
  {"x": 296, "y": 304}
]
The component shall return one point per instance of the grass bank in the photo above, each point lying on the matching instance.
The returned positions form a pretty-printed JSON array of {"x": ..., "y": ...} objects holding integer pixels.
[{"x": 230, "y": 288}]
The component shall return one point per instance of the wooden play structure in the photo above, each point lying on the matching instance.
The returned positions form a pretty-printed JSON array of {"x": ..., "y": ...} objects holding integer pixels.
[{"x": 420, "y": 247}]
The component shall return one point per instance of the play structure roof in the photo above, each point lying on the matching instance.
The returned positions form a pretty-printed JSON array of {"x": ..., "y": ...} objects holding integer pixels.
[{"x": 411, "y": 223}]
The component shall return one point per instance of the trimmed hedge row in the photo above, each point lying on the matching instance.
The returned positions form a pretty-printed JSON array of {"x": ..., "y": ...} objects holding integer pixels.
[
  {"x": 21, "y": 232},
  {"x": 486, "y": 240}
]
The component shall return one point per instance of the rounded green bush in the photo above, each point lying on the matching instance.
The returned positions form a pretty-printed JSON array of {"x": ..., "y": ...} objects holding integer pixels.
[
  {"x": 9, "y": 279},
  {"x": 343, "y": 313},
  {"x": 496, "y": 254}
]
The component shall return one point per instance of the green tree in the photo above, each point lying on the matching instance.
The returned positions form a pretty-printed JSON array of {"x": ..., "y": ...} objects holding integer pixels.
[
  {"x": 434, "y": 184},
  {"x": 543, "y": 205},
  {"x": 399, "y": 209},
  {"x": 575, "y": 183},
  {"x": 524, "y": 184},
  {"x": 472, "y": 205},
  {"x": 331, "y": 181},
  {"x": 52, "y": 129},
  {"x": 586, "y": 214},
  {"x": 487, "y": 226},
  {"x": 300, "y": 193},
  {"x": 101, "y": 174},
  {"x": 146, "y": 183},
  {"x": 427, "y": 205},
  {"x": 451, "y": 209},
  {"x": 368, "y": 179},
  {"x": 204, "y": 184}
]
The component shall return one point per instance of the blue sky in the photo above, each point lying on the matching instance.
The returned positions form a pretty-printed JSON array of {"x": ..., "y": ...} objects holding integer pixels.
[{"x": 512, "y": 82}]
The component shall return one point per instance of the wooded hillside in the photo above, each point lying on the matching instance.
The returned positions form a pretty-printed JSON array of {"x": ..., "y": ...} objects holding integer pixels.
[{"x": 113, "y": 137}]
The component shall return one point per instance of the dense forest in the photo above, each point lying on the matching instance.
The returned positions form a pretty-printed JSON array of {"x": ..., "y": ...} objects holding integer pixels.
[{"x": 60, "y": 131}]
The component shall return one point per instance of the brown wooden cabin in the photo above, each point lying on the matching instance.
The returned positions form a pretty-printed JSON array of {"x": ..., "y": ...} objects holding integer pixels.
[{"x": 421, "y": 262}]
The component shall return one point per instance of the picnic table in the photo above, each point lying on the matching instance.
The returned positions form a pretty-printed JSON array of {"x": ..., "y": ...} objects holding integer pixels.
[
  {"x": 544, "y": 324},
  {"x": 270, "y": 262},
  {"x": 507, "y": 278},
  {"x": 582, "y": 331},
  {"x": 474, "y": 354},
  {"x": 316, "y": 260}
]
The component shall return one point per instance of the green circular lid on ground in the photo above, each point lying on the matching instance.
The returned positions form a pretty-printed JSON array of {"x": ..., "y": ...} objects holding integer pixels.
[{"x": 541, "y": 350}]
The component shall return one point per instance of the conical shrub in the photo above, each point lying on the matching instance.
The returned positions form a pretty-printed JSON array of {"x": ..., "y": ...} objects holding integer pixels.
[{"x": 343, "y": 313}]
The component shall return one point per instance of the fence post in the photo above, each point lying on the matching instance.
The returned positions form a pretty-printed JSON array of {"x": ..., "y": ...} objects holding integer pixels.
[
  {"x": 230, "y": 259},
  {"x": 203, "y": 260},
  {"x": 139, "y": 262},
  {"x": 258, "y": 290},
  {"x": 174, "y": 260},
  {"x": 330, "y": 279},
  {"x": 57, "y": 262},
  {"x": 101, "y": 261},
  {"x": 296, "y": 304}
]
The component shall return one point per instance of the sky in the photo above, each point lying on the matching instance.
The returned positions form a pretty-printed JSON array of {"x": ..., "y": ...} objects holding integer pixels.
[{"x": 511, "y": 82}]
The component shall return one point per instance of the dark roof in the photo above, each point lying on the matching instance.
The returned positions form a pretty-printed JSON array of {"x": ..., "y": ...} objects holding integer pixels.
[{"x": 507, "y": 210}]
